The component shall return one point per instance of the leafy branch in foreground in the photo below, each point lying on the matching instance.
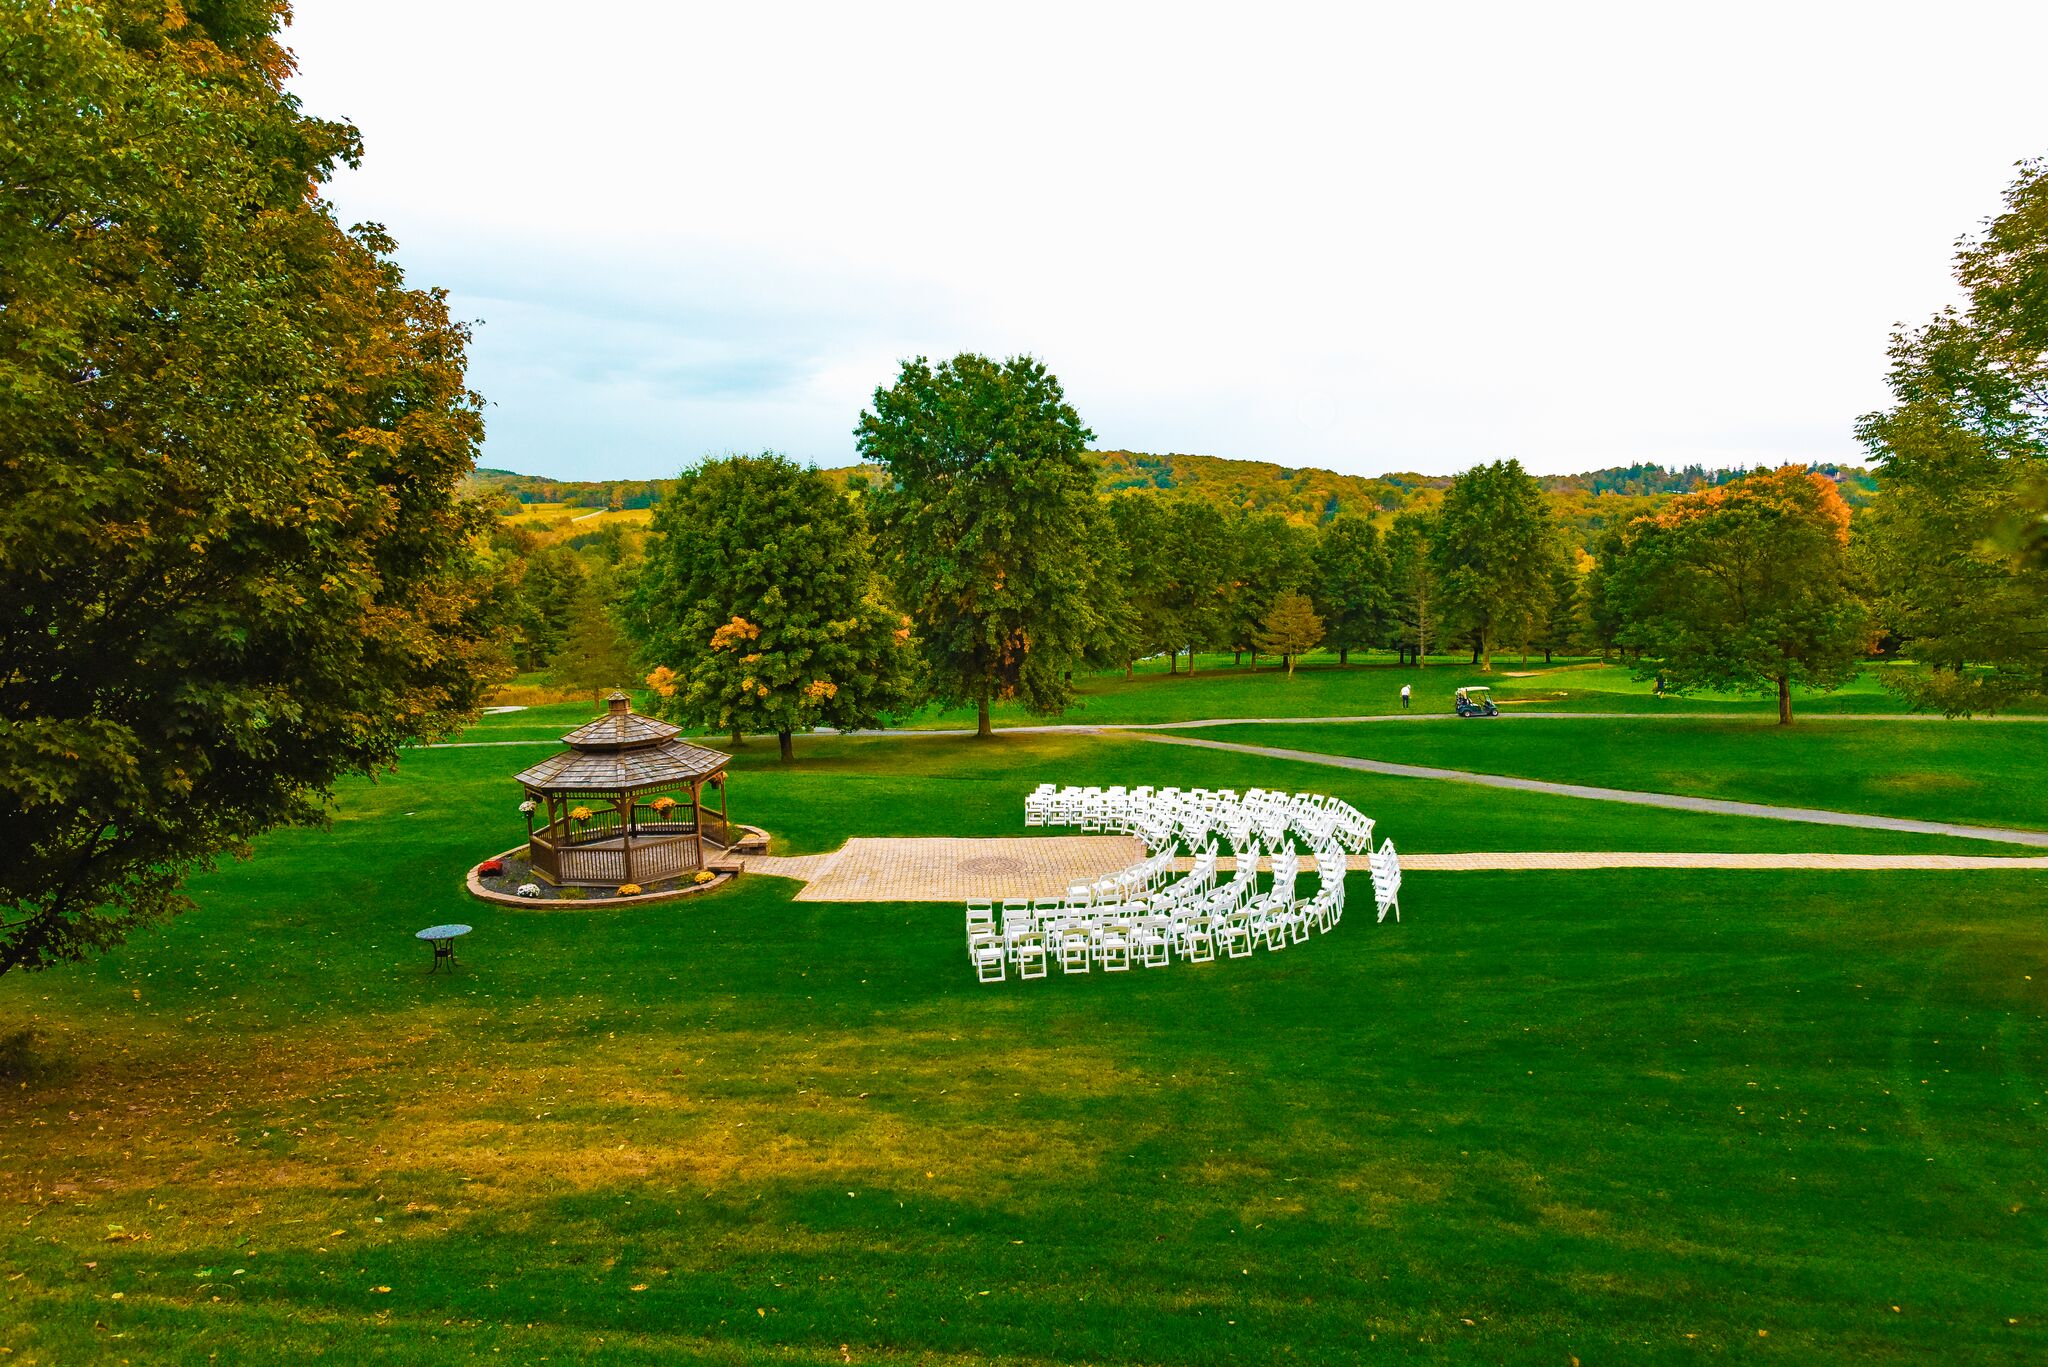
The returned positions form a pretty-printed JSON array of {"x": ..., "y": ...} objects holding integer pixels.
[{"x": 233, "y": 562}]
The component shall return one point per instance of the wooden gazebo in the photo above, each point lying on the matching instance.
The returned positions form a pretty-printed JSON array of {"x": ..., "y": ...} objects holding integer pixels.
[{"x": 624, "y": 803}]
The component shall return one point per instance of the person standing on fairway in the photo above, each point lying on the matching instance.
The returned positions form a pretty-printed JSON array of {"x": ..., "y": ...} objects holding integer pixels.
[{"x": 1404, "y": 697}]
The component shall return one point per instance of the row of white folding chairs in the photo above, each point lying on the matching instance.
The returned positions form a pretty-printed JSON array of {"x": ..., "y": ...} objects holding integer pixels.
[
  {"x": 1189, "y": 921},
  {"x": 1196, "y": 813},
  {"x": 1328, "y": 822}
]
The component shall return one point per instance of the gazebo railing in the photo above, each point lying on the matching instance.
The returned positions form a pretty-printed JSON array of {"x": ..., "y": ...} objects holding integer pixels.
[
  {"x": 665, "y": 858},
  {"x": 596, "y": 864}
]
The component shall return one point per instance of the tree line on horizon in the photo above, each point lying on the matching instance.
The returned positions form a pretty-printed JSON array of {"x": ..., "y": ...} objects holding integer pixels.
[{"x": 239, "y": 564}]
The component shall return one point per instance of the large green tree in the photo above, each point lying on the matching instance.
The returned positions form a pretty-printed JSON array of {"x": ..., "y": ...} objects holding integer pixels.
[
  {"x": 759, "y": 604},
  {"x": 233, "y": 562},
  {"x": 1747, "y": 586},
  {"x": 1352, "y": 593},
  {"x": 1496, "y": 544},
  {"x": 985, "y": 522},
  {"x": 1963, "y": 466}
]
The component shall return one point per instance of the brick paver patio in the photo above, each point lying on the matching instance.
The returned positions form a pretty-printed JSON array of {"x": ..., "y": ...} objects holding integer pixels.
[{"x": 952, "y": 870}]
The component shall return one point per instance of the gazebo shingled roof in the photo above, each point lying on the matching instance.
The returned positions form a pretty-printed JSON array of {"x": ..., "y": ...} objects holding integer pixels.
[
  {"x": 619, "y": 730},
  {"x": 672, "y": 761},
  {"x": 623, "y": 750}
]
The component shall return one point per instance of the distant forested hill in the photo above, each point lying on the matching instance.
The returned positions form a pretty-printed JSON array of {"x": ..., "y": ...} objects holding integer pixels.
[{"x": 1587, "y": 502}]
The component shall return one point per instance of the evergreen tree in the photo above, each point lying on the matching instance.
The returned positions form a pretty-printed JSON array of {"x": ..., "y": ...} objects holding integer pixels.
[
  {"x": 1559, "y": 627},
  {"x": 593, "y": 655},
  {"x": 1416, "y": 593}
]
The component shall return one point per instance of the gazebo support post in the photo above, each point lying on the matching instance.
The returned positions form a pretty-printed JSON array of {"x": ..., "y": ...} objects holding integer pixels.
[
  {"x": 626, "y": 838},
  {"x": 697, "y": 820},
  {"x": 724, "y": 822}
]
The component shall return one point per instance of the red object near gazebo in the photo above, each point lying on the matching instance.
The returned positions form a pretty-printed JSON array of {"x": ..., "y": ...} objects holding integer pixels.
[{"x": 624, "y": 803}]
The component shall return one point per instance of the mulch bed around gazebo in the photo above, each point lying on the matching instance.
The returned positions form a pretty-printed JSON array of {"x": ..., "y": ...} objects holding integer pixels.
[{"x": 518, "y": 872}]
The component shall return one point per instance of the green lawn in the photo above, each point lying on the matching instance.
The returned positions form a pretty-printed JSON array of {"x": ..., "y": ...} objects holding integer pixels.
[
  {"x": 1320, "y": 688},
  {"x": 1625, "y": 1116},
  {"x": 1976, "y": 772}
]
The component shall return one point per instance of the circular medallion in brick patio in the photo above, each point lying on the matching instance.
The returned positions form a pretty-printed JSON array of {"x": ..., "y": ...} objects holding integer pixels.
[{"x": 993, "y": 864}]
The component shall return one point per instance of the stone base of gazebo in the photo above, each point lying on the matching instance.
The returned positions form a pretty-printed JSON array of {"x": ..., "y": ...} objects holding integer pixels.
[{"x": 557, "y": 897}]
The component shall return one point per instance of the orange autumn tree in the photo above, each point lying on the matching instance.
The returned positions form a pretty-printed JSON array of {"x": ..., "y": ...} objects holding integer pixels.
[
  {"x": 1746, "y": 586},
  {"x": 760, "y": 607}
]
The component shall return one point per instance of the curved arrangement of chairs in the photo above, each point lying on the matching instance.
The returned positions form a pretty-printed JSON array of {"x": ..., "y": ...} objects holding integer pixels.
[{"x": 1148, "y": 914}]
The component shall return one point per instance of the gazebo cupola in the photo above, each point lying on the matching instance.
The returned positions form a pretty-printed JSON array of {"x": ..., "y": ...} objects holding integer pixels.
[{"x": 624, "y": 803}]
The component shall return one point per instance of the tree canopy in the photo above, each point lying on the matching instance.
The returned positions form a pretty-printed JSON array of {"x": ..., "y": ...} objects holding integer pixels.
[
  {"x": 235, "y": 563},
  {"x": 1495, "y": 546},
  {"x": 1352, "y": 590},
  {"x": 1745, "y": 586},
  {"x": 759, "y": 606},
  {"x": 1963, "y": 475},
  {"x": 984, "y": 525}
]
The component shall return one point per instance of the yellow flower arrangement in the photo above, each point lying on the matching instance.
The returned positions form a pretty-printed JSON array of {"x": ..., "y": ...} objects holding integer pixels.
[
  {"x": 705, "y": 875},
  {"x": 629, "y": 889},
  {"x": 579, "y": 814}
]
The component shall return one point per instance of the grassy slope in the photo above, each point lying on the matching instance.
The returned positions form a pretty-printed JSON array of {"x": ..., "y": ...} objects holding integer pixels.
[
  {"x": 1932, "y": 771},
  {"x": 1639, "y": 1113}
]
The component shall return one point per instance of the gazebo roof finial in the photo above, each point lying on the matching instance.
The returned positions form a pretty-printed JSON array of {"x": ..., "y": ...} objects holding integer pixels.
[{"x": 620, "y": 704}]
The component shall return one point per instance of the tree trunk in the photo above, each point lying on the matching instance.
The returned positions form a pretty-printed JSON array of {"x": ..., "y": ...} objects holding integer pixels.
[
  {"x": 1546, "y": 654},
  {"x": 1237, "y": 656},
  {"x": 788, "y": 744},
  {"x": 1288, "y": 660},
  {"x": 1191, "y": 662},
  {"x": 1784, "y": 700},
  {"x": 982, "y": 728},
  {"x": 1173, "y": 660},
  {"x": 1343, "y": 656},
  {"x": 738, "y": 739},
  {"x": 1130, "y": 666}
]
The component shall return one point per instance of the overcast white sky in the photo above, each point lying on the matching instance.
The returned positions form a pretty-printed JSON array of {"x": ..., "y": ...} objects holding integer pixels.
[{"x": 1372, "y": 238}]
